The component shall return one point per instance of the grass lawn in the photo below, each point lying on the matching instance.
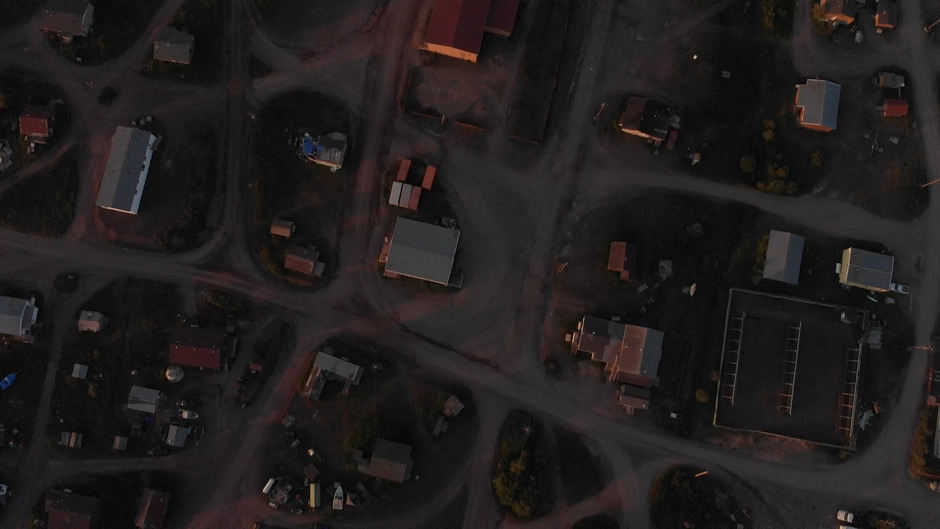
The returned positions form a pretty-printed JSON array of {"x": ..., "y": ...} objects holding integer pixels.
[
  {"x": 191, "y": 227},
  {"x": 15, "y": 12},
  {"x": 135, "y": 338},
  {"x": 19, "y": 403},
  {"x": 203, "y": 19},
  {"x": 118, "y": 24},
  {"x": 43, "y": 204}
]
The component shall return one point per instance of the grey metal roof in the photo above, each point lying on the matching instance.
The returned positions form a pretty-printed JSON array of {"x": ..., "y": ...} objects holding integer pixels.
[
  {"x": 819, "y": 101},
  {"x": 391, "y": 461},
  {"x": 176, "y": 436},
  {"x": 13, "y": 315},
  {"x": 339, "y": 367},
  {"x": 143, "y": 399},
  {"x": 173, "y": 45},
  {"x": 423, "y": 251},
  {"x": 784, "y": 257},
  {"x": 130, "y": 152},
  {"x": 866, "y": 269}
]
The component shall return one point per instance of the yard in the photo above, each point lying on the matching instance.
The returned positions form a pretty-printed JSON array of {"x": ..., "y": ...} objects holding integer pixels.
[
  {"x": 130, "y": 350},
  {"x": 289, "y": 187},
  {"x": 118, "y": 24},
  {"x": 44, "y": 204},
  {"x": 203, "y": 19},
  {"x": 390, "y": 402}
]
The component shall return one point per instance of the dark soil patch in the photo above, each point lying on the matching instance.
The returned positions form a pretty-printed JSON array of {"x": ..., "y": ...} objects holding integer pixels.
[
  {"x": 581, "y": 474},
  {"x": 680, "y": 500}
]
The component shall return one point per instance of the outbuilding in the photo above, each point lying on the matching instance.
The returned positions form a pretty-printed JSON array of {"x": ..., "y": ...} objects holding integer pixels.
[
  {"x": 126, "y": 173},
  {"x": 864, "y": 269},
  {"x": 89, "y": 321},
  {"x": 173, "y": 45},
  {"x": 784, "y": 257}
]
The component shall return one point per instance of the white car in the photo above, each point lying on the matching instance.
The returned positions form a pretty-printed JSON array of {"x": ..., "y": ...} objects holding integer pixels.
[
  {"x": 899, "y": 288},
  {"x": 188, "y": 414},
  {"x": 845, "y": 516}
]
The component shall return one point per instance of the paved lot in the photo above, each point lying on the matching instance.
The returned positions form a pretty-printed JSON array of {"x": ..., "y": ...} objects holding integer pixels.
[{"x": 513, "y": 202}]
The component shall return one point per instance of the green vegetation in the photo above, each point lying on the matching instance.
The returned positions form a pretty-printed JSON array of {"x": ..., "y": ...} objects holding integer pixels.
[
  {"x": 520, "y": 483},
  {"x": 920, "y": 447},
  {"x": 15, "y": 12},
  {"x": 191, "y": 228},
  {"x": 43, "y": 204},
  {"x": 683, "y": 498}
]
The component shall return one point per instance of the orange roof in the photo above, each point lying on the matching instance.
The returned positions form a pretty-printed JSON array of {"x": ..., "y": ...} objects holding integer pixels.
[{"x": 895, "y": 108}]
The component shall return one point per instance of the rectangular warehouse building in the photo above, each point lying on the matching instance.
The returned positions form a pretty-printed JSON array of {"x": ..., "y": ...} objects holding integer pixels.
[{"x": 126, "y": 172}]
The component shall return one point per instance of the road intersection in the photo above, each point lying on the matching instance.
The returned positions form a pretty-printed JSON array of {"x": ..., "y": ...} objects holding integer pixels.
[{"x": 511, "y": 223}]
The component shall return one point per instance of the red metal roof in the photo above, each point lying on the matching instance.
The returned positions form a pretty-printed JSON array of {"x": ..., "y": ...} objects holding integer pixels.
[
  {"x": 71, "y": 511},
  {"x": 196, "y": 347},
  {"x": 895, "y": 108},
  {"x": 458, "y": 24},
  {"x": 502, "y": 17},
  {"x": 34, "y": 121},
  {"x": 152, "y": 510}
]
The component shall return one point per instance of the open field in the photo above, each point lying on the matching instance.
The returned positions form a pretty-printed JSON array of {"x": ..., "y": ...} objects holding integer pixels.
[{"x": 45, "y": 203}]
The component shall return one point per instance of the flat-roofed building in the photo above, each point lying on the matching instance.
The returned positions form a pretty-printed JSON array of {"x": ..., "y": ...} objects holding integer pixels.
[{"x": 126, "y": 173}]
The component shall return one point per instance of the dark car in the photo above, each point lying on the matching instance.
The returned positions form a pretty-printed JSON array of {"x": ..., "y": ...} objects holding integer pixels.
[{"x": 186, "y": 402}]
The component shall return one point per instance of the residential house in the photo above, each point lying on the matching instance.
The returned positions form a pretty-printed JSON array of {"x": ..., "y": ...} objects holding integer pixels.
[
  {"x": 422, "y": 251},
  {"x": 839, "y": 12},
  {"x": 126, "y": 173},
  {"x": 67, "y": 18},
  {"x": 144, "y": 399},
  {"x": 176, "y": 435},
  {"x": 329, "y": 150},
  {"x": 895, "y": 108},
  {"x": 17, "y": 317},
  {"x": 173, "y": 45},
  {"x": 152, "y": 509},
  {"x": 120, "y": 443},
  {"x": 456, "y": 27},
  {"x": 327, "y": 367},
  {"x": 886, "y": 15},
  {"x": 67, "y": 510},
  {"x": 89, "y": 321},
  {"x": 817, "y": 104},
  {"x": 864, "y": 269},
  {"x": 784, "y": 257},
  {"x": 390, "y": 461},
  {"x": 36, "y": 123},
  {"x": 890, "y": 80},
  {"x": 630, "y": 354},
  {"x": 197, "y": 347},
  {"x": 282, "y": 228},
  {"x": 622, "y": 259},
  {"x": 648, "y": 119},
  {"x": 304, "y": 261}
]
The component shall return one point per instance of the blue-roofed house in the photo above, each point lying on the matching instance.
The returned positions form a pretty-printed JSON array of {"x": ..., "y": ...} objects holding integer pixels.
[{"x": 817, "y": 104}]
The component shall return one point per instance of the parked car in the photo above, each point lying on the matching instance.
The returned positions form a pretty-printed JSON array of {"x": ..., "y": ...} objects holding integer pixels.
[
  {"x": 188, "y": 414},
  {"x": 845, "y": 516},
  {"x": 186, "y": 402},
  {"x": 899, "y": 288}
]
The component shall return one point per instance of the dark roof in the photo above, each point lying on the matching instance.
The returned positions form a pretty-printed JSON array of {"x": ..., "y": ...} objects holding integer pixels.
[
  {"x": 502, "y": 16},
  {"x": 191, "y": 346},
  {"x": 34, "y": 121},
  {"x": 622, "y": 258},
  {"x": 391, "y": 461},
  {"x": 71, "y": 511},
  {"x": 173, "y": 45},
  {"x": 840, "y": 7},
  {"x": 647, "y": 116},
  {"x": 458, "y": 24},
  {"x": 64, "y": 16},
  {"x": 152, "y": 510}
]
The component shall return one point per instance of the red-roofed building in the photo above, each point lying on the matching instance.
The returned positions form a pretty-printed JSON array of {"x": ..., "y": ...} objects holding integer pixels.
[
  {"x": 151, "y": 513},
  {"x": 71, "y": 511},
  {"x": 194, "y": 347},
  {"x": 457, "y": 26},
  {"x": 36, "y": 123},
  {"x": 895, "y": 108}
]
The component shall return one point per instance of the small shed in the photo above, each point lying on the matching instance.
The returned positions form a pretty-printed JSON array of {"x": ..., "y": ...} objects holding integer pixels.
[
  {"x": 144, "y": 399},
  {"x": 403, "y": 170},
  {"x": 176, "y": 435},
  {"x": 89, "y": 321},
  {"x": 80, "y": 371},
  {"x": 282, "y": 228},
  {"x": 36, "y": 123},
  {"x": 886, "y": 15},
  {"x": 71, "y": 439},
  {"x": 120, "y": 442},
  {"x": 784, "y": 257},
  {"x": 890, "y": 80},
  {"x": 173, "y": 45},
  {"x": 304, "y": 261},
  {"x": 895, "y": 108},
  {"x": 429, "y": 175}
]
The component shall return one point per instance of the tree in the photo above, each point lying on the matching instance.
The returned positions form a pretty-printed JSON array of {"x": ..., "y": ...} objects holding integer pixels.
[
  {"x": 748, "y": 164},
  {"x": 702, "y": 396},
  {"x": 768, "y": 135},
  {"x": 93, "y": 390}
]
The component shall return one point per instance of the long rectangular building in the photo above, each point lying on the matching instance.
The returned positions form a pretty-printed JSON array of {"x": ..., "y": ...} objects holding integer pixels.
[{"x": 126, "y": 172}]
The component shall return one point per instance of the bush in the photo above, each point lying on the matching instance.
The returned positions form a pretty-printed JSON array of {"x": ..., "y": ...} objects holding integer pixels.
[
  {"x": 748, "y": 164},
  {"x": 702, "y": 396}
]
